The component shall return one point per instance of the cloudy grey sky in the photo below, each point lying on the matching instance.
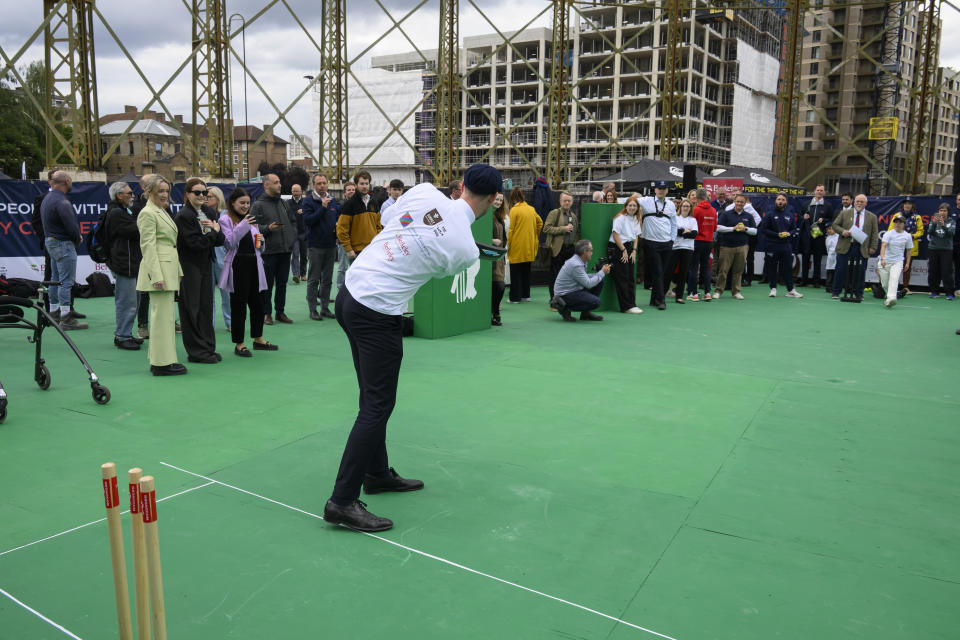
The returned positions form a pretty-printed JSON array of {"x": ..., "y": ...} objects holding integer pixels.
[{"x": 279, "y": 53}]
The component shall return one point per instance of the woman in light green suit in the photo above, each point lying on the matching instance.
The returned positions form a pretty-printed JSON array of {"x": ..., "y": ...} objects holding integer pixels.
[{"x": 160, "y": 275}]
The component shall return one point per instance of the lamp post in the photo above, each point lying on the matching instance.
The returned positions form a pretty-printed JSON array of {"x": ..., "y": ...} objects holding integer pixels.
[
  {"x": 246, "y": 123},
  {"x": 319, "y": 121}
]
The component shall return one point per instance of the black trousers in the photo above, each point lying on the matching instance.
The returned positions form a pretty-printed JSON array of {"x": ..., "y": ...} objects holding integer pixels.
[
  {"x": 700, "y": 266},
  {"x": 246, "y": 294},
  {"x": 680, "y": 261},
  {"x": 956, "y": 266},
  {"x": 519, "y": 281},
  {"x": 195, "y": 303},
  {"x": 940, "y": 267},
  {"x": 276, "y": 266},
  {"x": 622, "y": 273},
  {"x": 497, "y": 297},
  {"x": 556, "y": 263},
  {"x": 143, "y": 308},
  {"x": 376, "y": 342},
  {"x": 751, "y": 250},
  {"x": 658, "y": 255},
  {"x": 781, "y": 268}
]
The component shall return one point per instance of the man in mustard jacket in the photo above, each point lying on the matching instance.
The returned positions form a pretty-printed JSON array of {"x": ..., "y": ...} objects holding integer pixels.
[
  {"x": 160, "y": 275},
  {"x": 561, "y": 228}
]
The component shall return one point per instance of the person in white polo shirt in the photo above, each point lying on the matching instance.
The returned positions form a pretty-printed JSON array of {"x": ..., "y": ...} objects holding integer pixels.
[
  {"x": 425, "y": 235},
  {"x": 894, "y": 244}
]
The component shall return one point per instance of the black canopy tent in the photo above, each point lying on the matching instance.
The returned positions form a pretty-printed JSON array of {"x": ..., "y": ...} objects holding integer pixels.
[
  {"x": 642, "y": 175},
  {"x": 759, "y": 181},
  {"x": 4, "y": 176},
  {"x": 128, "y": 177}
]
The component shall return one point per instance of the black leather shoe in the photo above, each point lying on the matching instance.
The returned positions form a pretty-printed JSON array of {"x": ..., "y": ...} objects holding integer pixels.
[
  {"x": 73, "y": 313},
  {"x": 282, "y": 317},
  {"x": 264, "y": 346},
  {"x": 589, "y": 315},
  {"x": 268, "y": 319},
  {"x": 128, "y": 344},
  {"x": 203, "y": 359},
  {"x": 217, "y": 356},
  {"x": 390, "y": 482},
  {"x": 662, "y": 306},
  {"x": 175, "y": 369},
  {"x": 355, "y": 516},
  {"x": 315, "y": 316},
  {"x": 326, "y": 313},
  {"x": 496, "y": 322}
]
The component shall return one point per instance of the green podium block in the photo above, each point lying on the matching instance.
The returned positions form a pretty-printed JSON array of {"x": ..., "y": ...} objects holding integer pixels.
[
  {"x": 596, "y": 224},
  {"x": 460, "y": 303}
]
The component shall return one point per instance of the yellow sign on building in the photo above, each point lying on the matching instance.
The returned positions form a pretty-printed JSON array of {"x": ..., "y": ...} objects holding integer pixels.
[{"x": 884, "y": 128}]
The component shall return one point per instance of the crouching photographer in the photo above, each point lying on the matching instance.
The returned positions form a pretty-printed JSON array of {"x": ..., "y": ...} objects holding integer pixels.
[{"x": 575, "y": 289}]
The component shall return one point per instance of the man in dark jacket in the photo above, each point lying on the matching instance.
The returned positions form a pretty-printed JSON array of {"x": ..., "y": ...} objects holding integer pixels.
[
  {"x": 198, "y": 232},
  {"x": 818, "y": 215},
  {"x": 779, "y": 228},
  {"x": 123, "y": 258},
  {"x": 61, "y": 238},
  {"x": 298, "y": 262},
  {"x": 279, "y": 231},
  {"x": 320, "y": 214}
]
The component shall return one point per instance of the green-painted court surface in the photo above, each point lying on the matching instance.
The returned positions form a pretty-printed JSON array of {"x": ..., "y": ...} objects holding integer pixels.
[{"x": 770, "y": 468}]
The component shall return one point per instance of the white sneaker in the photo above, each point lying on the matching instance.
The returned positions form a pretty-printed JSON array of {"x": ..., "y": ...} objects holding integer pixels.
[
  {"x": 737, "y": 296},
  {"x": 793, "y": 293},
  {"x": 890, "y": 302},
  {"x": 773, "y": 293},
  {"x": 634, "y": 310},
  {"x": 716, "y": 295}
]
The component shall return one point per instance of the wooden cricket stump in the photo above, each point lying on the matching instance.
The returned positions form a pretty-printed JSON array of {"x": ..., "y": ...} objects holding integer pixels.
[
  {"x": 148, "y": 508},
  {"x": 111, "y": 497},
  {"x": 141, "y": 591}
]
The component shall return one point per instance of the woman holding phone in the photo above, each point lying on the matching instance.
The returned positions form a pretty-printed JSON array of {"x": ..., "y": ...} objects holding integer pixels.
[{"x": 243, "y": 276}]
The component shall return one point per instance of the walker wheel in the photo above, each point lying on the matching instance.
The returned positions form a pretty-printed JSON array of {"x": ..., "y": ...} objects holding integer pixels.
[
  {"x": 101, "y": 395},
  {"x": 44, "y": 380}
]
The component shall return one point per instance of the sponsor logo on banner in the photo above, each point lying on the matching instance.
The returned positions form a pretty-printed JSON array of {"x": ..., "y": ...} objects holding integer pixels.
[
  {"x": 756, "y": 177},
  {"x": 676, "y": 171},
  {"x": 464, "y": 283}
]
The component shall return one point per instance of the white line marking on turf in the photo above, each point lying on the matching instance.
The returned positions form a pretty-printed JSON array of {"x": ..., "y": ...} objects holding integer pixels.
[
  {"x": 431, "y": 556},
  {"x": 93, "y": 522},
  {"x": 40, "y": 615}
]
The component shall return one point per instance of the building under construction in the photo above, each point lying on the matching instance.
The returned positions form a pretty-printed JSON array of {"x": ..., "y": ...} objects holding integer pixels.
[{"x": 606, "y": 84}]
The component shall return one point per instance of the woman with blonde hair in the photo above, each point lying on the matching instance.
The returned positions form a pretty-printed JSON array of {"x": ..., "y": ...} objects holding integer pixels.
[
  {"x": 687, "y": 229},
  {"x": 522, "y": 241},
  {"x": 622, "y": 253},
  {"x": 218, "y": 203},
  {"x": 160, "y": 275}
]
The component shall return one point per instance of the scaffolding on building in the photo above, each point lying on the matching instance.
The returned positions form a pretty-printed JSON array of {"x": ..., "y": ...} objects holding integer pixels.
[{"x": 566, "y": 121}]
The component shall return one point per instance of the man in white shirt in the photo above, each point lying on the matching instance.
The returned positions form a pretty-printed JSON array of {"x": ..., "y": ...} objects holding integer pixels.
[
  {"x": 659, "y": 230},
  {"x": 895, "y": 244},
  {"x": 425, "y": 235}
]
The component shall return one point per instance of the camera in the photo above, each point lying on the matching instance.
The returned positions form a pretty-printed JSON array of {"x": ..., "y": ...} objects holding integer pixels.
[{"x": 605, "y": 260}]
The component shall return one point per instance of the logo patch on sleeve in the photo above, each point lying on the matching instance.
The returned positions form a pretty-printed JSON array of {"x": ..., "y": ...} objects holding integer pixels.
[
  {"x": 432, "y": 217},
  {"x": 405, "y": 219}
]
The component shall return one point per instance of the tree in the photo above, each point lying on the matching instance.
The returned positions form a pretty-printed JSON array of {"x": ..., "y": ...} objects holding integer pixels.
[{"x": 20, "y": 139}]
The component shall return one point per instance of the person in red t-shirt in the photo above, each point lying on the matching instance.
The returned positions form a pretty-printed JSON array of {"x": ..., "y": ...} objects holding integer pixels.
[{"x": 706, "y": 217}]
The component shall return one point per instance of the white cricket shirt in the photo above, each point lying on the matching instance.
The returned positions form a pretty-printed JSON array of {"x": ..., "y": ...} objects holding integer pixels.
[{"x": 425, "y": 235}]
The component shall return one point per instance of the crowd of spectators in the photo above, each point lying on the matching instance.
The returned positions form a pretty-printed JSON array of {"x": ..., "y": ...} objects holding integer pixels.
[{"x": 688, "y": 249}]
